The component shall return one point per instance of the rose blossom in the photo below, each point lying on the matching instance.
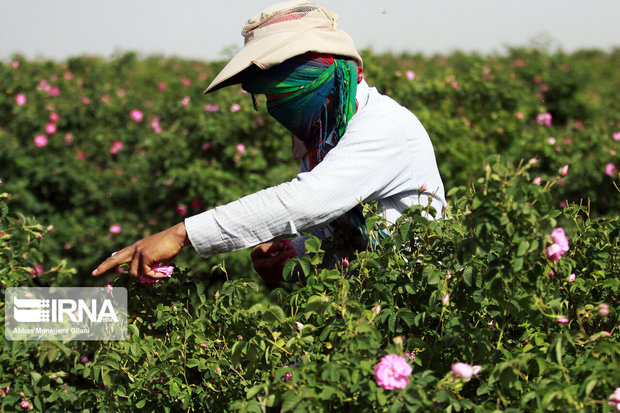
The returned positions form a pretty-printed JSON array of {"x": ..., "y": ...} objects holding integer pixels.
[
  {"x": 84, "y": 360},
  {"x": 40, "y": 140},
  {"x": 603, "y": 309},
  {"x": 195, "y": 203},
  {"x": 116, "y": 147},
  {"x": 616, "y": 136},
  {"x": 564, "y": 170},
  {"x": 166, "y": 270},
  {"x": 572, "y": 278},
  {"x": 185, "y": 101},
  {"x": 410, "y": 75},
  {"x": 562, "y": 320},
  {"x": 209, "y": 107},
  {"x": 393, "y": 372},
  {"x": 614, "y": 399},
  {"x": 559, "y": 246},
  {"x": 537, "y": 180},
  {"x": 544, "y": 119},
  {"x": 610, "y": 169},
  {"x": 181, "y": 210},
  {"x": 445, "y": 299},
  {"x": 235, "y": 107},
  {"x": 15, "y": 64},
  {"x": 115, "y": 229},
  {"x": 464, "y": 370},
  {"x": 299, "y": 325},
  {"x": 54, "y": 117},
  {"x": 53, "y": 92},
  {"x": 240, "y": 149},
  {"x": 20, "y": 99},
  {"x": 50, "y": 128},
  {"x": 136, "y": 115},
  {"x": 25, "y": 404}
]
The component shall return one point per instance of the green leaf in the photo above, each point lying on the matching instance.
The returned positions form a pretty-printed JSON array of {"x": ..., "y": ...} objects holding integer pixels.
[
  {"x": 467, "y": 273},
  {"x": 141, "y": 403},
  {"x": 290, "y": 402}
]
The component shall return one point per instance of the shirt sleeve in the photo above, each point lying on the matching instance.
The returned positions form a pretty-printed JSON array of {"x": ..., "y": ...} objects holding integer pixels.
[{"x": 370, "y": 162}]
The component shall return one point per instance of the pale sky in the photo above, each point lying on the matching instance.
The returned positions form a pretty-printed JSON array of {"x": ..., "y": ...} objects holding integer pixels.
[{"x": 203, "y": 29}]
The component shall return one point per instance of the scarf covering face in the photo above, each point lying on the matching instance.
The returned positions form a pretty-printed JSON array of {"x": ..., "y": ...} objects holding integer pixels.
[{"x": 306, "y": 82}]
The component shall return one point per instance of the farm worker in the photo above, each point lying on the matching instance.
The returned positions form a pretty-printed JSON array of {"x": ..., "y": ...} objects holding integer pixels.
[{"x": 356, "y": 146}]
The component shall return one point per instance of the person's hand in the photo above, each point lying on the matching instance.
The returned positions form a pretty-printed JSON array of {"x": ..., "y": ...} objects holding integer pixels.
[
  {"x": 269, "y": 259},
  {"x": 147, "y": 253}
]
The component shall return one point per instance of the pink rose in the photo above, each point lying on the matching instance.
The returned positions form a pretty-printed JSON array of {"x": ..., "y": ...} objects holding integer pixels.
[
  {"x": 166, "y": 270},
  {"x": 81, "y": 155},
  {"x": 115, "y": 229},
  {"x": 37, "y": 270},
  {"x": 185, "y": 101},
  {"x": 181, "y": 210},
  {"x": 393, "y": 372},
  {"x": 209, "y": 107},
  {"x": 116, "y": 147},
  {"x": 54, "y": 117},
  {"x": 544, "y": 119},
  {"x": 54, "y": 91},
  {"x": 109, "y": 288},
  {"x": 533, "y": 161},
  {"x": 195, "y": 203},
  {"x": 446, "y": 299},
  {"x": 560, "y": 244},
  {"x": 235, "y": 107},
  {"x": 562, "y": 320},
  {"x": 67, "y": 75},
  {"x": 25, "y": 404},
  {"x": 161, "y": 86},
  {"x": 610, "y": 169},
  {"x": 537, "y": 180},
  {"x": 564, "y": 170},
  {"x": 616, "y": 136},
  {"x": 156, "y": 126},
  {"x": 572, "y": 278},
  {"x": 136, "y": 115},
  {"x": 520, "y": 115},
  {"x": 20, "y": 99},
  {"x": 40, "y": 140},
  {"x": 84, "y": 360},
  {"x": 15, "y": 64},
  {"x": 614, "y": 399},
  {"x": 455, "y": 85},
  {"x": 345, "y": 262},
  {"x": 240, "y": 149},
  {"x": 603, "y": 309},
  {"x": 50, "y": 128},
  {"x": 464, "y": 370},
  {"x": 409, "y": 75},
  {"x": 559, "y": 237}
]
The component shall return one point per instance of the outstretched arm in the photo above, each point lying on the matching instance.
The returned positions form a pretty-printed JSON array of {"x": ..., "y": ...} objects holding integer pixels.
[{"x": 147, "y": 253}]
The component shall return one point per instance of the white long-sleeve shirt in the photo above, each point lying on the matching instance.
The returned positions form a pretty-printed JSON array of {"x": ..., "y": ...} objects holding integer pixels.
[{"x": 385, "y": 155}]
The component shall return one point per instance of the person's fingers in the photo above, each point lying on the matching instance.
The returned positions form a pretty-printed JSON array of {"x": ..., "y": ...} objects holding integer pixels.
[
  {"x": 267, "y": 263},
  {"x": 261, "y": 250},
  {"x": 134, "y": 265},
  {"x": 113, "y": 261}
]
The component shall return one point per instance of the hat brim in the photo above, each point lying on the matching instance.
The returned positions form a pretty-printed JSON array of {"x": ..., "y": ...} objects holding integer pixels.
[{"x": 271, "y": 50}]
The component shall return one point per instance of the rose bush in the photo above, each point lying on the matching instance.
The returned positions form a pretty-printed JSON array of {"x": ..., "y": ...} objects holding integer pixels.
[{"x": 136, "y": 147}]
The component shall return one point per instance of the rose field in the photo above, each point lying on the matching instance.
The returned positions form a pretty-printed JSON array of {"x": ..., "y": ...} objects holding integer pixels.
[{"x": 507, "y": 302}]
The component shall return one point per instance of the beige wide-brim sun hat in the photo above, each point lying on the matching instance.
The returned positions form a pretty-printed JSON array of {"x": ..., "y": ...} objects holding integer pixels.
[{"x": 283, "y": 31}]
